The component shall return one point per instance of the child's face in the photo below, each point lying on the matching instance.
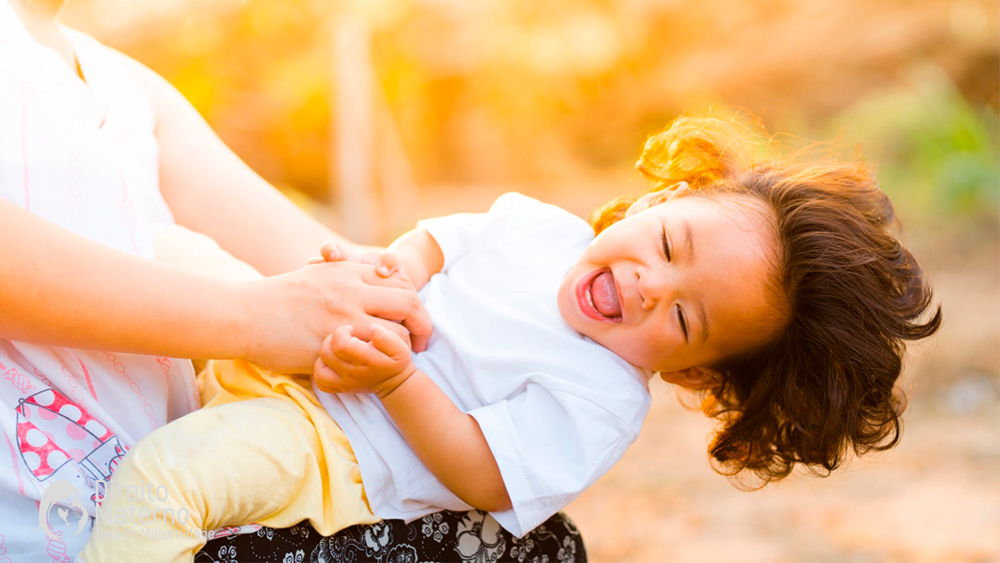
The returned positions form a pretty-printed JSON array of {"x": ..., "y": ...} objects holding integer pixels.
[{"x": 677, "y": 284}]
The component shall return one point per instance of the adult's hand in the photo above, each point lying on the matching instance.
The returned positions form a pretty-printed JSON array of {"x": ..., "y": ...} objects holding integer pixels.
[
  {"x": 387, "y": 265},
  {"x": 293, "y": 313}
]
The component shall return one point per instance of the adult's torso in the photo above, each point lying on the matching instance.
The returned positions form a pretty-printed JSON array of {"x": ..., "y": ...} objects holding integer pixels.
[{"x": 80, "y": 153}]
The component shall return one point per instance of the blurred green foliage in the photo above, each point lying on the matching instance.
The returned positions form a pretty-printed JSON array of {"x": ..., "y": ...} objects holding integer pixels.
[{"x": 937, "y": 155}]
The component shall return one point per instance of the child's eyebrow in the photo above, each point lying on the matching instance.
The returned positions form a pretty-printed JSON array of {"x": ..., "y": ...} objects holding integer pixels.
[{"x": 689, "y": 244}]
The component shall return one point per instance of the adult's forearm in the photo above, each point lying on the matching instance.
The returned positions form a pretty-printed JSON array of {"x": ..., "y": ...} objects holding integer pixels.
[
  {"x": 63, "y": 289},
  {"x": 211, "y": 190},
  {"x": 237, "y": 208}
]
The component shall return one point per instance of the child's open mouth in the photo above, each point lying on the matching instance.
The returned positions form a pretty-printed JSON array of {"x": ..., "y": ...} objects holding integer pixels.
[{"x": 598, "y": 296}]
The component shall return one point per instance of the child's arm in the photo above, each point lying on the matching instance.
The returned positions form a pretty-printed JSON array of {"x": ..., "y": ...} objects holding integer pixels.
[
  {"x": 447, "y": 440},
  {"x": 416, "y": 254},
  {"x": 419, "y": 256}
]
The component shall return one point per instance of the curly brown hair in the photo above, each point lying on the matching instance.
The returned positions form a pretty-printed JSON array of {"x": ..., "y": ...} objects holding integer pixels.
[{"x": 826, "y": 382}]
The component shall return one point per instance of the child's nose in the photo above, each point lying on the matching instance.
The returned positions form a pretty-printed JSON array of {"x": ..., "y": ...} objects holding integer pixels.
[{"x": 653, "y": 286}]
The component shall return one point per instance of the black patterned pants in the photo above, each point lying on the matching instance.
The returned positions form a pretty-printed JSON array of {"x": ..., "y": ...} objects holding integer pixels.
[{"x": 443, "y": 536}]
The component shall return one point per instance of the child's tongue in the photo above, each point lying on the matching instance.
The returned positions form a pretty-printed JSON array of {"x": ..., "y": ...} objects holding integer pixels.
[{"x": 605, "y": 295}]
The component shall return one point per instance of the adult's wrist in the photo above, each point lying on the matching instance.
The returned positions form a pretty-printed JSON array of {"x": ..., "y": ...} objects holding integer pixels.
[
  {"x": 239, "y": 314},
  {"x": 213, "y": 322}
]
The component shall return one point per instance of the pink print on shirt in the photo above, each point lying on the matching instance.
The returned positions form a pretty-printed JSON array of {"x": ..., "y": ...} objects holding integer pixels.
[
  {"x": 17, "y": 379},
  {"x": 165, "y": 364},
  {"x": 147, "y": 408},
  {"x": 55, "y": 547},
  {"x": 73, "y": 380},
  {"x": 17, "y": 468},
  {"x": 52, "y": 432}
]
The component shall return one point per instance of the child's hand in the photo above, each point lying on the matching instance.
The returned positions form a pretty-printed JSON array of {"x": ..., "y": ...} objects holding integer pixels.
[
  {"x": 386, "y": 262},
  {"x": 336, "y": 251},
  {"x": 348, "y": 364}
]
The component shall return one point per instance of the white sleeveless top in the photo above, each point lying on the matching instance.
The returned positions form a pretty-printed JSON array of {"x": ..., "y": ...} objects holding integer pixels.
[{"x": 82, "y": 155}]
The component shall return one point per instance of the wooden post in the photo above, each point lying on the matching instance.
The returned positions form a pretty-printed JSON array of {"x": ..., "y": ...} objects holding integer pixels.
[{"x": 354, "y": 124}]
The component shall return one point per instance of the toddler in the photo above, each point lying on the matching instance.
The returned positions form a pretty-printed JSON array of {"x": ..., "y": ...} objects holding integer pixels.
[{"x": 772, "y": 287}]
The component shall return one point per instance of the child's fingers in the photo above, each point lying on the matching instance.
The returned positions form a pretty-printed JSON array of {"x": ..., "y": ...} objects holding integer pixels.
[
  {"x": 330, "y": 251},
  {"x": 326, "y": 378},
  {"x": 336, "y": 251},
  {"x": 344, "y": 345},
  {"x": 354, "y": 352},
  {"x": 341, "y": 334},
  {"x": 388, "y": 343},
  {"x": 328, "y": 342},
  {"x": 388, "y": 263},
  {"x": 327, "y": 350},
  {"x": 347, "y": 348}
]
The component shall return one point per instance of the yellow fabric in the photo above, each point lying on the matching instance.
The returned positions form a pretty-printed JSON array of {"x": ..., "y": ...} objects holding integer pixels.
[
  {"x": 262, "y": 450},
  {"x": 333, "y": 498}
]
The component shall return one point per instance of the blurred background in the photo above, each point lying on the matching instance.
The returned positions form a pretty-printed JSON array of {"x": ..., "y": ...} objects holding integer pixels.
[{"x": 374, "y": 114}]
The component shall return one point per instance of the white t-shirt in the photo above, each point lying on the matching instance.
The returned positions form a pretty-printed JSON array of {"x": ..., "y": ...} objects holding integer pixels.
[
  {"x": 557, "y": 409},
  {"x": 81, "y": 155}
]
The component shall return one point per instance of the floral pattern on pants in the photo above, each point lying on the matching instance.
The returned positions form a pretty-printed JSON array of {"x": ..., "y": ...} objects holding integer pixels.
[{"x": 472, "y": 536}]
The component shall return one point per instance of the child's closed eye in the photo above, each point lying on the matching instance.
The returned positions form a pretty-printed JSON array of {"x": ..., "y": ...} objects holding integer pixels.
[{"x": 683, "y": 322}]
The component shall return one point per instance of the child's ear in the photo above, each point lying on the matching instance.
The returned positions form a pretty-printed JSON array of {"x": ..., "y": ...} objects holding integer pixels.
[
  {"x": 657, "y": 197},
  {"x": 692, "y": 378}
]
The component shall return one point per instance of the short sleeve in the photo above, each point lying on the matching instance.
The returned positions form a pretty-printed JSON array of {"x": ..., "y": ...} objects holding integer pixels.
[
  {"x": 462, "y": 233},
  {"x": 456, "y": 235},
  {"x": 550, "y": 446}
]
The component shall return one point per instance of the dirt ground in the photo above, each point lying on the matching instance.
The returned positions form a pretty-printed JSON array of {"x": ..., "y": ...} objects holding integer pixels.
[{"x": 934, "y": 498}]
